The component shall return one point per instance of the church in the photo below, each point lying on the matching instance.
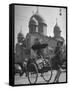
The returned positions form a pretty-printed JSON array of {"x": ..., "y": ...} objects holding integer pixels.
[{"x": 37, "y": 29}]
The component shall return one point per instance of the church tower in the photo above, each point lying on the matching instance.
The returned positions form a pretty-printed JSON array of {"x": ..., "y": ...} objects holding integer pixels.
[
  {"x": 37, "y": 24},
  {"x": 57, "y": 31},
  {"x": 20, "y": 36}
]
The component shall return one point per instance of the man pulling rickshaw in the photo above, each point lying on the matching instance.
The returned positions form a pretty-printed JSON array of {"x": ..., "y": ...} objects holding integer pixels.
[{"x": 57, "y": 60}]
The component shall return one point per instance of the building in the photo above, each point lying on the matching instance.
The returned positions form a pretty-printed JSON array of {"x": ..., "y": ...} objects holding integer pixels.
[
  {"x": 37, "y": 29},
  {"x": 52, "y": 42}
]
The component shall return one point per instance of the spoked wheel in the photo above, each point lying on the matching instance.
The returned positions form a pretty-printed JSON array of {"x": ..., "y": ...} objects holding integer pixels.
[
  {"x": 47, "y": 72},
  {"x": 32, "y": 73}
]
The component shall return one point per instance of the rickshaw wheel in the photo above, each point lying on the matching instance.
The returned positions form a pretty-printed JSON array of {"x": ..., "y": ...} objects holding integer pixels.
[
  {"x": 32, "y": 73},
  {"x": 47, "y": 72}
]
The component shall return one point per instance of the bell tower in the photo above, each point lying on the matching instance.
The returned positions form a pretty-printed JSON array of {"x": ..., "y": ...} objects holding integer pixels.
[{"x": 57, "y": 31}]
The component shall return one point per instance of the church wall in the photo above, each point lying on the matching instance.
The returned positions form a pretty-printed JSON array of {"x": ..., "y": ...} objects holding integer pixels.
[
  {"x": 44, "y": 30},
  {"x": 40, "y": 28},
  {"x": 52, "y": 43},
  {"x": 57, "y": 34}
]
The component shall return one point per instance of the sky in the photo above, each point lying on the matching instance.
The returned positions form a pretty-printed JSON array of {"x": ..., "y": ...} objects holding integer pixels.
[{"x": 49, "y": 14}]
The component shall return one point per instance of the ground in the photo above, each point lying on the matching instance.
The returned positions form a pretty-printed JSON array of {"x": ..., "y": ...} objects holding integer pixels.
[{"x": 24, "y": 80}]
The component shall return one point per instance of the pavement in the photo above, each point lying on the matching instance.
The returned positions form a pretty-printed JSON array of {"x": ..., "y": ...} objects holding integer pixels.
[{"x": 24, "y": 80}]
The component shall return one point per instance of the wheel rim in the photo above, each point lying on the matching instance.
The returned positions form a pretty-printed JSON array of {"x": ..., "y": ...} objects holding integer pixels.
[
  {"x": 32, "y": 73},
  {"x": 47, "y": 73}
]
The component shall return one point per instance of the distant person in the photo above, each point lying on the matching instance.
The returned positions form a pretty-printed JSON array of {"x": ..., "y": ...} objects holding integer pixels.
[
  {"x": 58, "y": 53},
  {"x": 57, "y": 62},
  {"x": 19, "y": 49}
]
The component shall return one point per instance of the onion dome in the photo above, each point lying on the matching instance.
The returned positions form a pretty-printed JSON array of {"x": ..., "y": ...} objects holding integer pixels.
[
  {"x": 20, "y": 34},
  {"x": 36, "y": 19},
  {"x": 57, "y": 28},
  {"x": 20, "y": 37},
  {"x": 33, "y": 21}
]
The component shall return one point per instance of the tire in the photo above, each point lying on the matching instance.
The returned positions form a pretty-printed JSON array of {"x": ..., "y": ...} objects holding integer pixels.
[
  {"x": 32, "y": 68},
  {"x": 47, "y": 70}
]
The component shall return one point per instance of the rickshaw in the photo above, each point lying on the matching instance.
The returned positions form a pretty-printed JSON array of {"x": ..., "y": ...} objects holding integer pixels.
[
  {"x": 39, "y": 66},
  {"x": 42, "y": 66},
  {"x": 36, "y": 67}
]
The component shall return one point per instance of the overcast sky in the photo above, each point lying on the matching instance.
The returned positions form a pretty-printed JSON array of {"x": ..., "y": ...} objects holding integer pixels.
[{"x": 49, "y": 14}]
